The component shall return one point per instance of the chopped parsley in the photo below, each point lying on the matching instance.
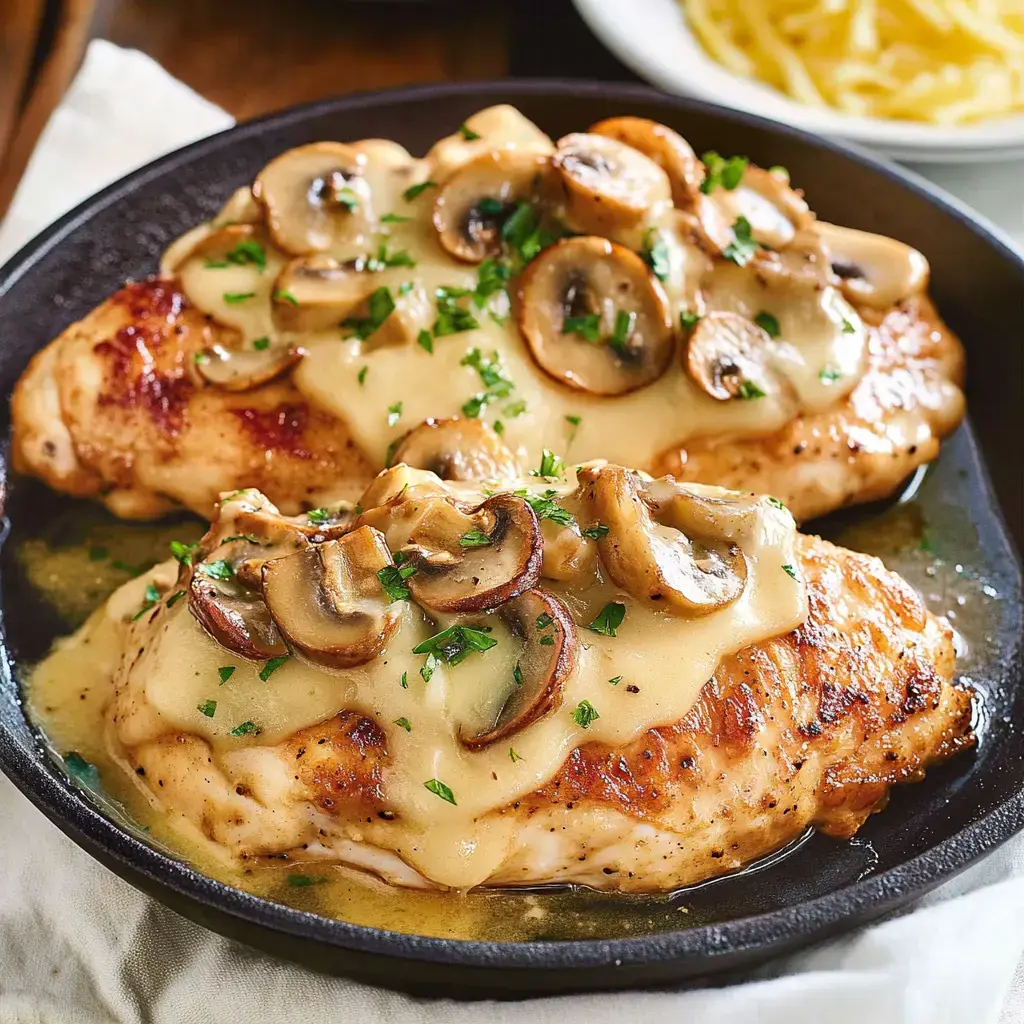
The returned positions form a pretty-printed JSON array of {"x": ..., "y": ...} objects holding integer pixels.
[
  {"x": 318, "y": 516},
  {"x": 523, "y": 234},
  {"x": 438, "y": 788},
  {"x": 245, "y": 729},
  {"x": 596, "y": 532},
  {"x": 722, "y": 172},
  {"x": 489, "y": 369},
  {"x": 272, "y": 665},
  {"x": 451, "y": 317},
  {"x": 152, "y": 597},
  {"x": 456, "y": 643},
  {"x": 394, "y": 218},
  {"x": 517, "y": 674},
  {"x": 789, "y": 571},
  {"x": 688, "y": 320},
  {"x": 261, "y": 344},
  {"x": 743, "y": 245},
  {"x": 467, "y": 133},
  {"x": 225, "y": 673},
  {"x": 414, "y": 190},
  {"x": 208, "y": 708},
  {"x": 545, "y": 507},
  {"x": 384, "y": 259},
  {"x": 829, "y": 376},
  {"x": 392, "y": 579},
  {"x": 304, "y": 881},
  {"x": 380, "y": 306},
  {"x": 625, "y": 323},
  {"x": 551, "y": 465},
  {"x": 775, "y": 502},
  {"x": 183, "y": 552},
  {"x": 394, "y": 413},
  {"x": 175, "y": 598},
  {"x": 499, "y": 427},
  {"x": 248, "y": 251},
  {"x": 474, "y": 539},
  {"x": 216, "y": 570},
  {"x": 234, "y": 298},
  {"x": 748, "y": 390},
  {"x": 405, "y": 681},
  {"x": 427, "y": 671},
  {"x": 286, "y": 296},
  {"x": 587, "y": 327},
  {"x": 361, "y": 375},
  {"x": 656, "y": 255},
  {"x": 848, "y": 328},
  {"x": 615, "y": 680},
  {"x": 492, "y": 277},
  {"x": 585, "y": 714},
  {"x": 80, "y": 769},
  {"x": 609, "y": 619},
  {"x": 425, "y": 341},
  {"x": 768, "y": 323},
  {"x": 544, "y": 620},
  {"x": 404, "y": 723},
  {"x": 513, "y": 756},
  {"x": 516, "y": 408}
]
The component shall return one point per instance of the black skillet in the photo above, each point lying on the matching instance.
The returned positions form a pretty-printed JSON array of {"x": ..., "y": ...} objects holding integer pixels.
[{"x": 929, "y": 832}]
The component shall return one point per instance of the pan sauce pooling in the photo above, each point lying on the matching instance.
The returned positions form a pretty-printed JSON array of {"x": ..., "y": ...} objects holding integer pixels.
[
  {"x": 426, "y": 231},
  {"x": 441, "y": 728}
]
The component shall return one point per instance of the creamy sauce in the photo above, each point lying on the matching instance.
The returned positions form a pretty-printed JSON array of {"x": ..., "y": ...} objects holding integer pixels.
[
  {"x": 820, "y": 350},
  {"x": 454, "y": 845}
]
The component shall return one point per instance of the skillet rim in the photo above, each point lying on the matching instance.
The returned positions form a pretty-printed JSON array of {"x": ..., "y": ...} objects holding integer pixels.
[{"x": 719, "y": 945}]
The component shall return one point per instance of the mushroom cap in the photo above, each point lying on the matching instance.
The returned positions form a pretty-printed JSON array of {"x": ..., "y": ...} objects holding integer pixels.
[
  {"x": 668, "y": 149},
  {"x": 317, "y": 199},
  {"x": 608, "y": 186},
  {"x": 652, "y": 558},
  {"x": 727, "y": 352},
  {"x": 235, "y": 617},
  {"x": 475, "y": 559},
  {"x": 549, "y": 656},
  {"x": 321, "y": 293},
  {"x": 241, "y": 369},
  {"x": 460, "y": 448},
  {"x": 473, "y": 203},
  {"x": 327, "y": 600},
  {"x": 587, "y": 277}
]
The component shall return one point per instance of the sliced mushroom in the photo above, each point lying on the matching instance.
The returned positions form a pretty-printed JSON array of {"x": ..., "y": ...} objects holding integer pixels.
[
  {"x": 399, "y": 480},
  {"x": 474, "y": 560},
  {"x": 457, "y": 449},
  {"x": 543, "y": 623},
  {"x": 241, "y": 208},
  {"x": 475, "y": 201},
  {"x": 241, "y": 369},
  {"x": 236, "y": 617},
  {"x": 608, "y": 186},
  {"x": 727, "y": 356},
  {"x": 315, "y": 293},
  {"x": 647, "y": 553},
  {"x": 774, "y": 210},
  {"x": 668, "y": 149},
  {"x": 582, "y": 285},
  {"x": 803, "y": 265},
  {"x": 874, "y": 270},
  {"x": 328, "y": 602},
  {"x": 317, "y": 199}
]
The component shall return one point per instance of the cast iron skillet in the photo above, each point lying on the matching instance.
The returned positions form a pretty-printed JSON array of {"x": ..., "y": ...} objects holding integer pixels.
[{"x": 930, "y": 832}]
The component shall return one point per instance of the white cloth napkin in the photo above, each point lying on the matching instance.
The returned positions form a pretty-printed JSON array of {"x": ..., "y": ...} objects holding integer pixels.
[{"x": 80, "y": 946}]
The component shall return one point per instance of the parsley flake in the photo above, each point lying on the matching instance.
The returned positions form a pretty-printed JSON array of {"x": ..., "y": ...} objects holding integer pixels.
[
  {"x": 394, "y": 413},
  {"x": 474, "y": 539},
  {"x": 656, "y": 255},
  {"x": 208, "y": 708},
  {"x": 394, "y": 218},
  {"x": 175, "y": 598},
  {"x": 380, "y": 306},
  {"x": 216, "y": 570},
  {"x": 587, "y": 327},
  {"x": 183, "y": 552},
  {"x": 743, "y": 245},
  {"x": 405, "y": 680},
  {"x": 827, "y": 375},
  {"x": 425, "y": 341},
  {"x": 248, "y": 251},
  {"x": 688, "y": 320},
  {"x": 261, "y": 344},
  {"x": 848, "y": 328},
  {"x": 790, "y": 571},
  {"x": 609, "y": 619},
  {"x": 438, "y": 788},
  {"x": 748, "y": 390},
  {"x": 234, "y": 298},
  {"x": 152, "y": 597},
  {"x": 513, "y": 756},
  {"x": 615, "y": 680},
  {"x": 392, "y": 579},
  {"x": 361, "y": 375},
  {"x": 551, "y": 465},
  {"x": 304, "y": 881},
  {"x": 225, "y": 673},
  {"x": 456, "y": 643},
  {"x": 585, "y": 714},
  {"x": 467, "y": 133},
  {"x": 285, "y": 296},
  {"x": 722, "y": 172},
  {"x": 596, "y": 532},
  {"x": 625, "y": 323},
  {"x": 246, "y": 729},
  {"x": 414, "y": 190},
  {"x": 768, "y": 323},
  {"x": 404, "y": 723},
  {"x": 318, "y": 516},
  {"x": 272, "y": 665}
]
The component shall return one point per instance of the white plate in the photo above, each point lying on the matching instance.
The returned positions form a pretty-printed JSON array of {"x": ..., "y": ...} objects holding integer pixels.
[{"x": 652, "y": 37}]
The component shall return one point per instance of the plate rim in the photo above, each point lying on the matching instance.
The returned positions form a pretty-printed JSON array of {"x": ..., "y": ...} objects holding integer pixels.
[
  {"x": 995, "y": 139},
  {"x": 719, "y": 944}
]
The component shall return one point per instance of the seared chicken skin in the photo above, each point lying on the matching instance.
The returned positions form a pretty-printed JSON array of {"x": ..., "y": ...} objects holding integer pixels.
[
  {"x": 810, "y": 729},
  {"x": 114, "y": 409}
]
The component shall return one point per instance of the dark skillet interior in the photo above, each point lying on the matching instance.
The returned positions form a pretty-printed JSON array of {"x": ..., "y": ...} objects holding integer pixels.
[{"x": 929, "y": 832}]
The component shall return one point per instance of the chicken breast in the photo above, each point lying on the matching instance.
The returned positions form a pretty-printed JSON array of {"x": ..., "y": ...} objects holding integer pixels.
[
  {"x": 114, "y": 409},
  {"x": 907, "y": 401},
  {"x": 812, "y": 728}
]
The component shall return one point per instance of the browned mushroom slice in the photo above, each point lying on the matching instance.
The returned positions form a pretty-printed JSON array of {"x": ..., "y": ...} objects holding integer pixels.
[
  {"x": 727, "y": 356},
  {"x": 328, "y": 601},
  {"x": 315, "y": 293},
  {"x": 242, "y": 369},
  {"x": 874, "y": 270},
  {"x": 316, "y": 197},
  {"x": 594, "y": 318},
  {"x": 475, "y": 201},
  {"x": 234, "y": 616},
  {"x": 668, "y": 149},
  {"x": 457, "y": 449},
  {"x": 550, "y": 649},
  {"x": 652, "y": 558},
  {"x": 802, "y": 266},
  {"x": 608, "y": 186},
  {"x": 475, "y": 560}
]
